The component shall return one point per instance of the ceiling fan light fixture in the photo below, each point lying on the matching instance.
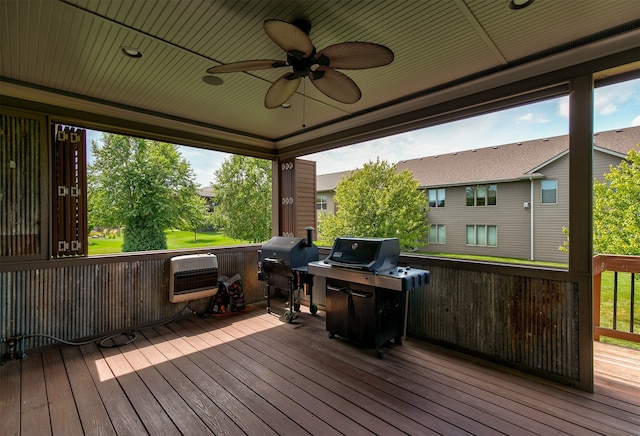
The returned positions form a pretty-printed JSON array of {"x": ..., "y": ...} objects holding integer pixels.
[
  {"x": 132, "y": 52},
  {"x": 212, "y": 80},
  {"x": 519, "y": 4}
]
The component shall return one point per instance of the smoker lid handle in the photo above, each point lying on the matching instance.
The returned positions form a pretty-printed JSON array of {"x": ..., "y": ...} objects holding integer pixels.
[{"x": 272, "y": 260}]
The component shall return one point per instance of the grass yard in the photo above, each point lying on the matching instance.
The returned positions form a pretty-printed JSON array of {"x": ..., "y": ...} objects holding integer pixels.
[
  {"x": 623, "y": 306},
  {"x": 495, "y": 259},
  {"x": 176, "y": 239}
]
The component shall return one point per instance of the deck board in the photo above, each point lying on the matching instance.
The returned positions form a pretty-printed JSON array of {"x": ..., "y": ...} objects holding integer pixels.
[
  {"x": 62, "y": 406},
  {"x": 34, "y": 407},
  {"x": 220, "y": 406},
  {"x": 121, "y": 412},
  {"x": 10, "y": 397},
  {"x": 250, "y": 373},
  {"x": 91, "y": 410}
]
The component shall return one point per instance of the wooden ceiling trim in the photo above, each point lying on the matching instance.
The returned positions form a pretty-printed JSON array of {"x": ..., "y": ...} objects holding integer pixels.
[{"x": 481, "y": 32}]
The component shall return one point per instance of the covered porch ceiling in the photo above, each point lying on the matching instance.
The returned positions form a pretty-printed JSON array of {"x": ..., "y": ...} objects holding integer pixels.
[{"x": 64, "y": 57}]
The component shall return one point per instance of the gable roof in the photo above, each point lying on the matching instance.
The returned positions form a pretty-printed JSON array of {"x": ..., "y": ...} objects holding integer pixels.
[
  {"x": 508, "y": 162},
  {"x": 499, "y": 163},
  {"x": 206, "y": 192},
  {"x": 328, "y": 182}
]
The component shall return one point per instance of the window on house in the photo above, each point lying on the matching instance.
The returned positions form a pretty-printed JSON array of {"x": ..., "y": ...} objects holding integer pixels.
[
  {"x": 549, "y": 191},
  {"x": 482, "y": 235},
  {"x": 321, "y": 202},
  {"x": 437, "y": 234},
  {"x": 436, "y": 197},
  {"x": 482, "y": 195}
]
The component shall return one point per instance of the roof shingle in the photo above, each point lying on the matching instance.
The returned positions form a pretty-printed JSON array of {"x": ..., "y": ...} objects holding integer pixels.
[{"x": 498, "y": 163}]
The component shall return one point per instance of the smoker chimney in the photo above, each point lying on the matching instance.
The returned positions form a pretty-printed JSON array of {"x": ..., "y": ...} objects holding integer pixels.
[{"x": 309, "y": 236}]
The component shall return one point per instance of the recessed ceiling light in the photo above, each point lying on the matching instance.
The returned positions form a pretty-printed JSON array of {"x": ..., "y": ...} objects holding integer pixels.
[
  {"x": 519, "y": 4},
  {"x": 132, "y": 52},
  {"x": 212, "y": 80},
  {"x": 286, "y": 105}
]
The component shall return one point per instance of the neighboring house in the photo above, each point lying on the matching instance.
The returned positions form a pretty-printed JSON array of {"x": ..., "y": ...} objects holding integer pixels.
[
  {"x": 507, "y": 200},
  {"x": 325, "y": 190},
  {"x": 207, "y": 194}
]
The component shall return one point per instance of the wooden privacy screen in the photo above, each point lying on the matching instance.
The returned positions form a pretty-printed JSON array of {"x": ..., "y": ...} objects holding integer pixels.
[
  {"x": 297, "y": 197},
  {"x": 69, "y": 189}
]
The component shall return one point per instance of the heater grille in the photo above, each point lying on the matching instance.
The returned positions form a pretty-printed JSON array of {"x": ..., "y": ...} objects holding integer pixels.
[{"x": 193, "y": 276}]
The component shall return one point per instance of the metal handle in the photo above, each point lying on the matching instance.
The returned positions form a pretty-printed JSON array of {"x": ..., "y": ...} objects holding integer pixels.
[
  {"x": 336, "y": 289},
  {"x": 361, "y": 294}
]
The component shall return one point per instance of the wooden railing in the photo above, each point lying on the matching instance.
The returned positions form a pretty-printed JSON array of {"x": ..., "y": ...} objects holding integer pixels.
[{"x": 629, "y": 265}]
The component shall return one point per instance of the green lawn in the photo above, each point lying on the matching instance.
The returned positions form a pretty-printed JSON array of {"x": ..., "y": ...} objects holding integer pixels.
[
  {"x": 494, "y": 259},
  {"x": 176, "y": 239},
  {"x": 623, "y": 307}
]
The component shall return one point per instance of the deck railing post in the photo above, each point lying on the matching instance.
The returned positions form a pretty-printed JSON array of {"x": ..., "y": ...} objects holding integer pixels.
[
  {"x": 597, "y": 280},
  {"x": 632, "y": 301}
]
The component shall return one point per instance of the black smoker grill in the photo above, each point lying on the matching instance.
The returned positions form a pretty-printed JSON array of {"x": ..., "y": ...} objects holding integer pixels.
[
  {"x": 366, "y": 290},
  {"x": 282, "y": 264}
]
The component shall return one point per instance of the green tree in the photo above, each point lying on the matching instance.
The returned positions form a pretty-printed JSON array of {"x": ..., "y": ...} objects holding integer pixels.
[
  {"x": 378, "y": 201},
  {"x": 199, "y": 216},
  {"x": 616, "y": 209},
  {"x": 140, "y": 185},
  {"x": 242, "y": 193}
]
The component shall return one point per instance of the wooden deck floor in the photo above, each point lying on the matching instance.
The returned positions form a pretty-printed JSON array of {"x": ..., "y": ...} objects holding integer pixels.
[{"x": 250, "y": 373}]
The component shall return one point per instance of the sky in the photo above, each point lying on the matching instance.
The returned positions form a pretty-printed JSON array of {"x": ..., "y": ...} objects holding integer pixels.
[{"x": 615, "y": 107}]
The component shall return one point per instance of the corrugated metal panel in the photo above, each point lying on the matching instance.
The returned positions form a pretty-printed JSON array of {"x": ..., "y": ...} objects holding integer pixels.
[
  {"x": 529, "y": 322},
  {"x": 87, "y": 300},
  {"x": 20, "y": 186}
]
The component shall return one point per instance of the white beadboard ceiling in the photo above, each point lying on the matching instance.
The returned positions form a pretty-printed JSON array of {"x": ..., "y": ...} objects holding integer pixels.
[{"x": 66, "y": 54}]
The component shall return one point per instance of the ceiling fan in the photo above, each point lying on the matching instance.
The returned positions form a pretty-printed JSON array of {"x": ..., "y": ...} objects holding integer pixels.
[{"x": 320, "y": 67}]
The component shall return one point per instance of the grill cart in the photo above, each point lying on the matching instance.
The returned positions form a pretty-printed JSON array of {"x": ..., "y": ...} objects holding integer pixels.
[
  {"x": 282, "y": 264},
  {"x": 367, "y": 290}
]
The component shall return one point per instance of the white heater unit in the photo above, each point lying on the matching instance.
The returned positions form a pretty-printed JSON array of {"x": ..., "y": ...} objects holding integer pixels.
[{"x": 193, "y": 276}]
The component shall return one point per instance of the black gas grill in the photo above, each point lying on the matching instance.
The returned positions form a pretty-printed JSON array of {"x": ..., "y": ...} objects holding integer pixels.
[
  {"x": 367, "y": 290},
  {"x": 282, "y": 264}
]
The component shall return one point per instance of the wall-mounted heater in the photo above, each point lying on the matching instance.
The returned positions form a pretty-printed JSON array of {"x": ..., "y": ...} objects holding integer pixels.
[{"x": 193, "y": 276}]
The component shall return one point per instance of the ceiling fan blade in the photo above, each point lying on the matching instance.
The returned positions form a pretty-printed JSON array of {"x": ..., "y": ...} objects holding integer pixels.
[
  {"x": 280, "y": 91},
  {"x": 355, "y": 55},
  {"x": 288, "y": 37},
  {"x": 336, "y": 85},
  {"x": 236, "y": 67}
]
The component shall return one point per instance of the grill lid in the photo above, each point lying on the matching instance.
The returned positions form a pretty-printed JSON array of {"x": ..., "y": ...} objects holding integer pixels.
[
  {"x": 285, "y": 253},
  {"x": 369, "y": 254}
]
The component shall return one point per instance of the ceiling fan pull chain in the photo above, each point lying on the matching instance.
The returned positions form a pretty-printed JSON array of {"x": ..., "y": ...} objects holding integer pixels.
[{"x": 304, "y": 100}]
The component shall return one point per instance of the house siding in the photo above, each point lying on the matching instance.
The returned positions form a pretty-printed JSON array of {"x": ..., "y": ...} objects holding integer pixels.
[
  {"x": 509, "y": 216},
  {"x": 510, "y": 165},
  {"x": 550, "y": 218}
]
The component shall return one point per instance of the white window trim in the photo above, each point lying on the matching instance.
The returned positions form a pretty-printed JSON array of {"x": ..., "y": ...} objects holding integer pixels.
[{"x": 475, "y": 229}]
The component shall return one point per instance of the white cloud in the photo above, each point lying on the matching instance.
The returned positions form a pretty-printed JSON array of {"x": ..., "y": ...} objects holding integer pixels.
[
  {"x": 531, "y": 118},
  {"x": 604, "y": 107},
  {"x": 563, "y": 107},
  {"x": 636, "y": 121}
]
